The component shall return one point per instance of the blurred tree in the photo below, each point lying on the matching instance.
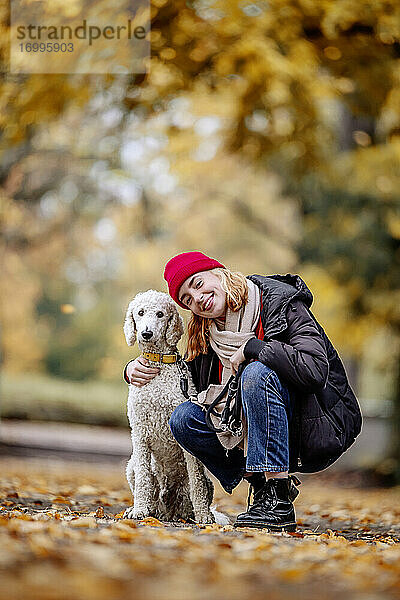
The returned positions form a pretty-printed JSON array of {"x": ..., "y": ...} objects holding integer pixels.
[
  {"x": 275, "y": 65},
  {"x": 351, "y": 224}
]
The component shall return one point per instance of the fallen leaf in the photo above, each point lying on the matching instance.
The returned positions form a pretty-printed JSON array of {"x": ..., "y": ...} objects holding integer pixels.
[
  {"x": 99, "y": 512},
  {"x": 152, "y": 521}
]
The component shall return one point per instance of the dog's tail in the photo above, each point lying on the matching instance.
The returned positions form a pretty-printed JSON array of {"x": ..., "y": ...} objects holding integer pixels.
[{"x": 219, "y": 517}]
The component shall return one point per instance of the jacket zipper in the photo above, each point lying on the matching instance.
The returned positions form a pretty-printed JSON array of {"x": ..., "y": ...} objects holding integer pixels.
[{"x": 299, "y": 462}]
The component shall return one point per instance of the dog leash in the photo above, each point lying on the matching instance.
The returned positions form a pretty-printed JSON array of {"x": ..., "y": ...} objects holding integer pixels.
[
  {"x": 184, "y": 379},
  {"x": 231, "y": 415}
]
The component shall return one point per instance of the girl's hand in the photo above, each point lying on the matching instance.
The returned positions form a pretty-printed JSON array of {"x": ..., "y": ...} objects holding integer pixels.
[
  {"x": 236, "y": 359},
  {"x": 140, "y": 371}
]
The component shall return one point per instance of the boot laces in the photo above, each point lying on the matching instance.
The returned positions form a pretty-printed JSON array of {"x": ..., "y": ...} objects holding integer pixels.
[
  {"x": 258, "y": 496},
  {"x": 265, "y": 491}
]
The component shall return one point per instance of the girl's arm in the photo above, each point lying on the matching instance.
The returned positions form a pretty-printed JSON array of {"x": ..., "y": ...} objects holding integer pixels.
[{"x": 301, "y": 360}]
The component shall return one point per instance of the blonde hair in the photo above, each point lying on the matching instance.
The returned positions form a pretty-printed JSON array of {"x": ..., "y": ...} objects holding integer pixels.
[{"x": 235, "y": 286}]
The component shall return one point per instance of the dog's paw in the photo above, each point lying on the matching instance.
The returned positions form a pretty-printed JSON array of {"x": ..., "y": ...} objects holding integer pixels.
[
  {"x": 204, "y": 517},
  {"x": 131, "y": 513}
]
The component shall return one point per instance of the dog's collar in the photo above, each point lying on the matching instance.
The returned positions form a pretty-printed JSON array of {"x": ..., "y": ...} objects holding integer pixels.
[{"x": 159, "y": 357}]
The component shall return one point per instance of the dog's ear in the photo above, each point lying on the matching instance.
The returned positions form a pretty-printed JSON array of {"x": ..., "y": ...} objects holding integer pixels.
[
  {"x": 174, "y": 329},
  {"x": 130, "y": 326}
]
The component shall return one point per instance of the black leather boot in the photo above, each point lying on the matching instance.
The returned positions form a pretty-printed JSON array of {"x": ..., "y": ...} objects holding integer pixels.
[
  {"x": 256, "y": 481},
  {"x": 272, "y": 507}
]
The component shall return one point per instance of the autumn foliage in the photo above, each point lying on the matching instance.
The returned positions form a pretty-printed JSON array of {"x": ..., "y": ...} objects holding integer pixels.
[{"x": 63, "y": 536}]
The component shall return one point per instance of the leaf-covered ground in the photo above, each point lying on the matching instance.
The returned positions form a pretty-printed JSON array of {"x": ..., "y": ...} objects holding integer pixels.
[{"x": 62, "y": 537}]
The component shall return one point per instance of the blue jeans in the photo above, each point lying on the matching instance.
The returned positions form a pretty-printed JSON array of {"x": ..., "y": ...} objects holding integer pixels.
[{"x": 268, "y": 409}]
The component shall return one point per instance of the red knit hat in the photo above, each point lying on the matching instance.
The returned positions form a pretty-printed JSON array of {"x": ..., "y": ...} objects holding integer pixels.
[{"x": 181, "y": 266}]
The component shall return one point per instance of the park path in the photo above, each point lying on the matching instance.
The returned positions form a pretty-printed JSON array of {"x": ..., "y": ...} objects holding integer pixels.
[{"x": 67, "y": 440}]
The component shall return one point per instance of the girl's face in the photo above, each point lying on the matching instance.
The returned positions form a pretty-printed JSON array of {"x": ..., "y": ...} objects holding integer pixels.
[{"x": 202, "y": 293}]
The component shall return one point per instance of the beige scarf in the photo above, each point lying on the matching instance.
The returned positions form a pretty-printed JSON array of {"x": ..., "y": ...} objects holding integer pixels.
[{"x": 240, "y": 326}]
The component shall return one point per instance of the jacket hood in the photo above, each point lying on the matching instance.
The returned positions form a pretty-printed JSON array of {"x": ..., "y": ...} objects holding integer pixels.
[
  {"x": 298, "y": 283},
  {"x": 277, "y": 291}
]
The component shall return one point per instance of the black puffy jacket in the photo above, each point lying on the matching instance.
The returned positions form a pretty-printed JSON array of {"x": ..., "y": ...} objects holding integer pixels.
[{"x": 326, "y": 417}]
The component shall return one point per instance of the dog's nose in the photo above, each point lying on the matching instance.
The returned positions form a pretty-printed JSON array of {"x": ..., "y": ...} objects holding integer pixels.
[{"x": 147, "y": 334}]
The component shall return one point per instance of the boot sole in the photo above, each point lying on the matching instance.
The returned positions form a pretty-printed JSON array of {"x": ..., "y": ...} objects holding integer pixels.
[{"x": 290, "y": 527}]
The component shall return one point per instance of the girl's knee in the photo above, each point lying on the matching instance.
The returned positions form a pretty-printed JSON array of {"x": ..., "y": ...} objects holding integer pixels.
[
  {"x": 256, "y": 370},
  {"x": 177, "y": 419},
  {"x": 257, "y": 373},
  {"x": 181, "y": 418}
]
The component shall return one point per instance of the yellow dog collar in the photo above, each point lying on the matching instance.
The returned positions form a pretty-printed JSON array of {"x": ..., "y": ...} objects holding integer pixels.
[{"x": 158, "y": 357}]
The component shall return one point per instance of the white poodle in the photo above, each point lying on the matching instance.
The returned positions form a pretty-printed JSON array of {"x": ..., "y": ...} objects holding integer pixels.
[{"x": 166, "y": 482}]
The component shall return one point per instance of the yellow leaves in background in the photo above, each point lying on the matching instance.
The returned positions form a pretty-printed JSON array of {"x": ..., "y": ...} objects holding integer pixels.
[
  {"x": 164, "y": 77},
  {"x": 24, "y": 351},
  {"x": 331, "y": 302},
  {"x": 393, "y": 223},
  {"x": 274, "y": 54},
  {"x": 41, "y": 98},
  {"x": 67, "y": 309},
  {"x": 332, "y": 52}
]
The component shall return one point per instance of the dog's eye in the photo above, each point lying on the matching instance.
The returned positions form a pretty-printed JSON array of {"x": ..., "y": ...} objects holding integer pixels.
[
  {"x": 141, "y": 312},
  {"x": 160, "y": 314}
]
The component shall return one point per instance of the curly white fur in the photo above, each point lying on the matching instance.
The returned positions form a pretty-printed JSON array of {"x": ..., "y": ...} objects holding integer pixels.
[{"x": 166, "y": 482}]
